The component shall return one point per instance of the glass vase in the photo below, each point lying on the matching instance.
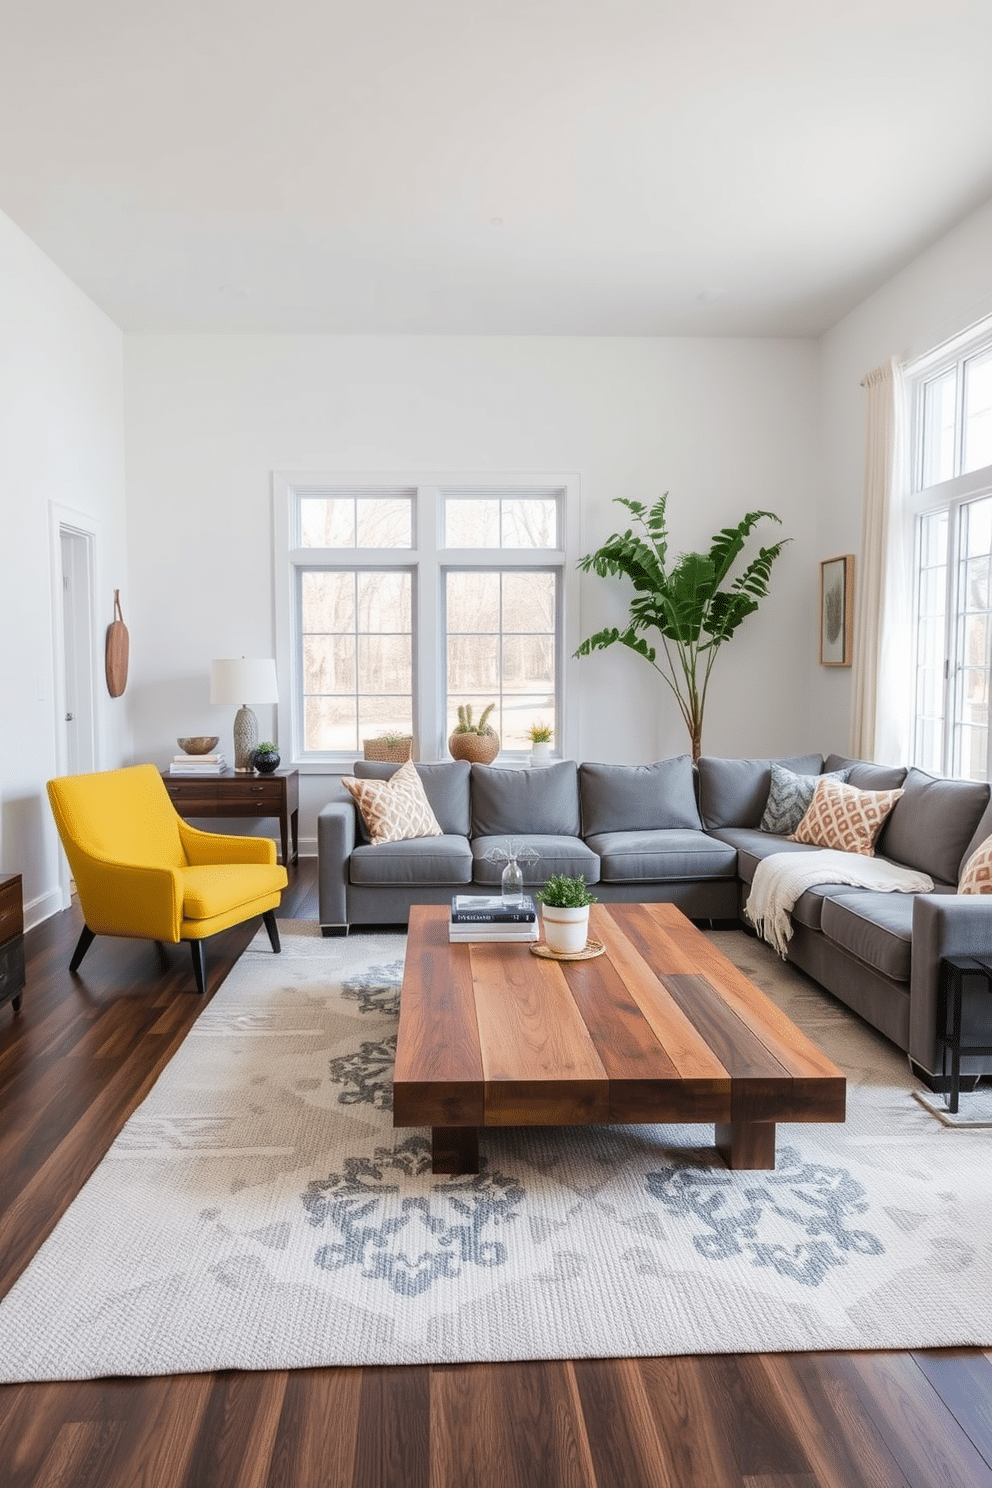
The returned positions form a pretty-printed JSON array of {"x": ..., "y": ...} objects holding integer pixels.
[{"x": 513, "y": 882}]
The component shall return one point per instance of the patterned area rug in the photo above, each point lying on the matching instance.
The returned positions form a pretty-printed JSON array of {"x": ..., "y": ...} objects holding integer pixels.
[
  {"x": 974, "y": 1106},
  {"x": 260, "y": 1212}
]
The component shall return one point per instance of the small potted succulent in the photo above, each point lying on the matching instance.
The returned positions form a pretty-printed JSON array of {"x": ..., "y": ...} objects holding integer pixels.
[
  {"x": 565, "y": 905},
  {"x": 540, "y": 736},
  {"x": 265, "y": 757},
  {"x": 476, "y": 742}
]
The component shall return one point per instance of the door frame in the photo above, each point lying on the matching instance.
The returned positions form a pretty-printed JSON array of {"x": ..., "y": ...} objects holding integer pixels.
[{"x": 64, "y": 519}]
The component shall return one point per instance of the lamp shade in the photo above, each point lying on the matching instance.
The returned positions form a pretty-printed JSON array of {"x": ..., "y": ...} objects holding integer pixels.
[{"x": 244, "y": 679}]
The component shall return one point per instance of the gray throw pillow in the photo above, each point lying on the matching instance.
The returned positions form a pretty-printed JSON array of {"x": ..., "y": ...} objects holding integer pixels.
[
  {"x": 638, "y": 798},
  {"x": 788, "y": 797}
]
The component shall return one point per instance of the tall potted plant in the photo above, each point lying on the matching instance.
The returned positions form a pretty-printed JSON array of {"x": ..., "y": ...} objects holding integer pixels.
[{"x": 683, "y": 601}]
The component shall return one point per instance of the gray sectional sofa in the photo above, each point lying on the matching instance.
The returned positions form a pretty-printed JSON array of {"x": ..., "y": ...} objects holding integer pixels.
[{"x": 665, "y": 831}]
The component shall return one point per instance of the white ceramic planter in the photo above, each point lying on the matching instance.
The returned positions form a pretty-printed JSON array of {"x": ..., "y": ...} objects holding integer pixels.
[
  {"x": 565, "y": 930},
  {"x": 540, "y": 755}
]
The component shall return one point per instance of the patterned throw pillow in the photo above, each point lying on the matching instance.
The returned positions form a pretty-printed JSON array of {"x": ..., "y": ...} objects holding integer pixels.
[
  {"x": 789, "y": 795},
  {"x": 394, "y": 810},
  {"x": 845, "y": 818},
  {"x": 976, "y": 876}
]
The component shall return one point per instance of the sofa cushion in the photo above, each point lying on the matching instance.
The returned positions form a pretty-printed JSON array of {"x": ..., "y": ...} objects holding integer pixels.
[
  {"x": 555, "y": 854},
  {"x": 510, "y": 802},
  {"x": 733, "y": 792},
  {"x": 661, "y": 856},
  {"x": 844, "y": 818},
  {"x": 751, "y": 845},
  {"x": 394, "y": 810},
  {"x": 876, "y": 928},
  {"x": 422, "y": 860},
  {"x": 446, "y": 786},
  {"x": 933, "y": 823},
  {"x": 631, "y": 798},
  {"x": 866, "y": 775},
  {"x": 789, "y": 796}
]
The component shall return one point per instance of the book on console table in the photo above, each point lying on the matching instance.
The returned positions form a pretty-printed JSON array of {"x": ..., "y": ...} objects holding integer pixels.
[
  {"x": 198, "y": 766},
  {"x": 491, "y": 909},
  {"x": 507, "y": 932}
]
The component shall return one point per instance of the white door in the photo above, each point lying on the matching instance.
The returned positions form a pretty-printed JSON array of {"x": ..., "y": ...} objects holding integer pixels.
[{"x": 78, "y": 670}]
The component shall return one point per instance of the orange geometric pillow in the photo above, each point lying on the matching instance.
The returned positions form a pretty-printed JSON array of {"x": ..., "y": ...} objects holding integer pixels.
[
  {"x": 845, "y": 818},
  {"x": 976, "y": 876},
  {"x": 396, "y": 809}
]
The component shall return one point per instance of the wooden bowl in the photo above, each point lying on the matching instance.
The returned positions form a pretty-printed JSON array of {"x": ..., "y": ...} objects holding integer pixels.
[{"x": 199, "y": 743}]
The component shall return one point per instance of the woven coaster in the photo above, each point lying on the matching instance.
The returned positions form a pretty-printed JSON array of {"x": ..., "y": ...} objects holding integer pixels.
[{"x": 591, "y": 948}]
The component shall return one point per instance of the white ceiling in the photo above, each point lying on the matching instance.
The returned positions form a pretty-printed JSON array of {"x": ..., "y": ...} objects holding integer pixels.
[{"x": 615, "y": 167}]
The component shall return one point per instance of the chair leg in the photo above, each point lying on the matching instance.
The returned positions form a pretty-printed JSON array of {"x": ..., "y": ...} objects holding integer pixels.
[
  {"x": 83, "y": 944},
  {"x": 199, "y": 965},
  {"x": 269, "y": 921}
]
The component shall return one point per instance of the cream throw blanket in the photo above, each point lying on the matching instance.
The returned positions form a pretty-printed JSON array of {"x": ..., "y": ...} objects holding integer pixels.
[{"x": 780, "y": 879}]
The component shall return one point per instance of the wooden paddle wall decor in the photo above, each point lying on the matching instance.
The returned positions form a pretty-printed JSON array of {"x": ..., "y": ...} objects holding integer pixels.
[{"x": 118, "y": 648}]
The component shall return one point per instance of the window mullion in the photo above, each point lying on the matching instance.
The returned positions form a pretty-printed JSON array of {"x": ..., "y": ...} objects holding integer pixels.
[
  {"x": 427, "y": 691},
  {"x": 959, "y": 419},
  {"x": 953, "y": 643}
]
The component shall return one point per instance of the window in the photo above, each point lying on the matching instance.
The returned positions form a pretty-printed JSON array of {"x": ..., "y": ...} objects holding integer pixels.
[
  {"x": 952, "y": 503},
  {"x": 398, "y": 604}
]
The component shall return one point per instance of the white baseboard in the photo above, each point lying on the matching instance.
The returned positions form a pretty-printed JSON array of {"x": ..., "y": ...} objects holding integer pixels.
[{"x": 42, "y": 907}]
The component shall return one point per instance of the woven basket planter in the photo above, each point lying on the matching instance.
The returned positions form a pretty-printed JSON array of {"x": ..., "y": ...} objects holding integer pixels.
[
  {"x": 389, "y": 751},
  {"x": 478, "y": 749}
]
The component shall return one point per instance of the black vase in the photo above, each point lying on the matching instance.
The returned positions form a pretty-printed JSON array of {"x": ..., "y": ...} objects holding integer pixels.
[{"x": 265, "y": 763}]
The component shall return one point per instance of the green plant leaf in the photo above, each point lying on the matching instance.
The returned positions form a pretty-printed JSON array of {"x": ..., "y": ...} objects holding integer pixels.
[{"x": 684, "y": 604}]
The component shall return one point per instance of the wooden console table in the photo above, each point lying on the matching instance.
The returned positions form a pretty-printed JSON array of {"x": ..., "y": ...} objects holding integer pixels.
[
  {"x": 232, "y": 794},
  {"x": 11, "y": 940}
]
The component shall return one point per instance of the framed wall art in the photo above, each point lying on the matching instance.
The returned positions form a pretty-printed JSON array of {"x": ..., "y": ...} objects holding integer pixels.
[{"x": 837, "y": 611}]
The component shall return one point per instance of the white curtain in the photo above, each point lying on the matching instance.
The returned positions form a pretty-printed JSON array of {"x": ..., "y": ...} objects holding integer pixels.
[{"x": 881, "y": 703}]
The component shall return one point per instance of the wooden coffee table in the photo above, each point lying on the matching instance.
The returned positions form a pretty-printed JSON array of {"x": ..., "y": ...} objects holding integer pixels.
[{"x": 662, "y": 1028}]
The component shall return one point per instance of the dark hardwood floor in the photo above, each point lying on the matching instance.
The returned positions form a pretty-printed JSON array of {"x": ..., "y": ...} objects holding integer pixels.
[{"x": 81, "y": 1055}]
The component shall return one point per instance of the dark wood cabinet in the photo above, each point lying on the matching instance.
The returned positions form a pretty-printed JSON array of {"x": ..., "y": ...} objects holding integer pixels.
[
  {"x": 237, "y": 795},
  {"x": 11, "y": 941}
]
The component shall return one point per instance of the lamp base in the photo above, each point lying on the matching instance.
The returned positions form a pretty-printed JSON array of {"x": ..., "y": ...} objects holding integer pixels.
[{"x": 245, "y": 739}]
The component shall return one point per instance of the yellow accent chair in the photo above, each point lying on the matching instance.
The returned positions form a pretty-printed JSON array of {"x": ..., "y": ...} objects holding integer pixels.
[{"x": 141, "y": 870}]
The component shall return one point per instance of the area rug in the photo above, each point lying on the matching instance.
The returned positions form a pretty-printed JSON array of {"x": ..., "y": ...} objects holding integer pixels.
[
  {"x": 260, "y": 1212},
  {"x": 974, "y": 1106}
]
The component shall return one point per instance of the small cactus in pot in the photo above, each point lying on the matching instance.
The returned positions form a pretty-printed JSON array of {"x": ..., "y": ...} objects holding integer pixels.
[{"x": 476, "y": 742}]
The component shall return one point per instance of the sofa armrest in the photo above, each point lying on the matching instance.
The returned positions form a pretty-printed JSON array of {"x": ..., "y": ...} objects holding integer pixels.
[
  {"x": 943, "y": 925},
  {"x": 202, "y": 848},
  {"x": 142, "y": 900},
  {"x": 336, "y": 832}
]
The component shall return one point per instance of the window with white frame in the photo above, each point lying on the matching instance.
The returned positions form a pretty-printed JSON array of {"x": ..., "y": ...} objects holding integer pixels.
[
  {"x": 398, "y": 604},
  {"x": 952, "y": 504}
]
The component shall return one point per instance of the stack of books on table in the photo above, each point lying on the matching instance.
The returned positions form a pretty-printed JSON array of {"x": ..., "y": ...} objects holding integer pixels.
[
  {"x": 491, "y": 917},
  {"x": 198, "y": 764}
]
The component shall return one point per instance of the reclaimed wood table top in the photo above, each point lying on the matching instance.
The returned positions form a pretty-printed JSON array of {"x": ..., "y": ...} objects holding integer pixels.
[{"x": 661, "y": 1028}]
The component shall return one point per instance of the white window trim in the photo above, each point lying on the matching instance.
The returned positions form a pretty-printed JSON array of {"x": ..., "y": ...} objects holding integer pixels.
[
  {"x": 944, "y": 496},
  {"x": 428, "y": 663}
]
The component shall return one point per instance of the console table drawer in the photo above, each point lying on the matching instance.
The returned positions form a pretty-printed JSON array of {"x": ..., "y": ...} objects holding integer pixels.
[
  {"x": 258, "y": 795},
  {"x": 11, "y": 913},
  {"x": 191, "y": 794},
  {"x": 12, "y": 972}
]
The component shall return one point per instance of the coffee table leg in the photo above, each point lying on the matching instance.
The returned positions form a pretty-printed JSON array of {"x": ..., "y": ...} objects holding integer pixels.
[
  {"x": 747, "y": 1144},
  {"x": 454, "y": 1149}
]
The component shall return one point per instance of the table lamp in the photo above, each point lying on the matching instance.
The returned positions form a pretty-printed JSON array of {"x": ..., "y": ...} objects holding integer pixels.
[{"x": 235, "y": 679}]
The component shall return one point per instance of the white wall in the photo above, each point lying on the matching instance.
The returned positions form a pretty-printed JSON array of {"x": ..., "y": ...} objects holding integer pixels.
[
  {"x": 939, "y": 294},
  {"x": 726, "y": 426},
  {"x": 61, "y": 441}
]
